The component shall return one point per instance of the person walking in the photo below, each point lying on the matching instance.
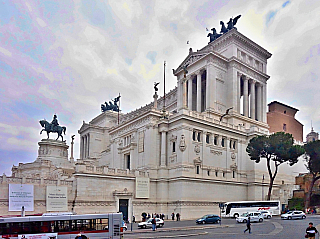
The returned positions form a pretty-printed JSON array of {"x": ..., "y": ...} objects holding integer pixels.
[
  {"x": 311, "y": 231},
  {"x": 178, "y": 216},
  {"x": 172, "y": 216},
  {"x": 154, "y": 224},
  {"x": 248, "y": 226}
]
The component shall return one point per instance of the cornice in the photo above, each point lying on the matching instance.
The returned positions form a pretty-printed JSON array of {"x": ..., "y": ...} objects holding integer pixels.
[{"x": 248, "y": 70}]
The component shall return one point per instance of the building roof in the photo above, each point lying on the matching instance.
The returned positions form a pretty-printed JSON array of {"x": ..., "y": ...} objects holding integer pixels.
[{"x": 276, "y": 102}]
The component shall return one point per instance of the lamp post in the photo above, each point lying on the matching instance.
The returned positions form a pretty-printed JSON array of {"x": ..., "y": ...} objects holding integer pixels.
[{"x": 262, "y": 187}]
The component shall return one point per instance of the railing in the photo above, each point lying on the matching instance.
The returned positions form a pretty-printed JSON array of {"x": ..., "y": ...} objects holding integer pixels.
[{"x": 35, "y": 181}]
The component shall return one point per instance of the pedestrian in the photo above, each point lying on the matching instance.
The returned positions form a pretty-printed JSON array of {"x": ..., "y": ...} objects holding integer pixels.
[
  {"x": 248, "y": 226},
  {"x": 133, "y": 219},
  {"x": 311, "y": 231},
  {"x": 172, "y": 216},
  {"x": 178, "y": 216},
  {"x": 149, "y": 215},
  {"x": 154, "y": 224},
  {"x": 162, "y": 216}
]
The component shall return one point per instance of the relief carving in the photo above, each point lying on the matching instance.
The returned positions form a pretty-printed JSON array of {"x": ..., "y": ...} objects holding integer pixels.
[
  {"x": 197, "y": 149},
  {"x": 182, "y": 144}
]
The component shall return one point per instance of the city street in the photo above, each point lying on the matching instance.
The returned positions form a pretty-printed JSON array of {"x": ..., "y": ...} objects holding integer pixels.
[{"x": 272, "y": 228}]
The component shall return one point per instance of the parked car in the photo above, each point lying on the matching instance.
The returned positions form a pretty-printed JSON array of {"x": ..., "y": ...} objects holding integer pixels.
[
  {"x": 148, "y": 224},
  {"x": 210, "y": 218},
  {"x": 254, "y": 217},
  {"x": 266, "y": 214},
  {"x": 293, "y": 215}
]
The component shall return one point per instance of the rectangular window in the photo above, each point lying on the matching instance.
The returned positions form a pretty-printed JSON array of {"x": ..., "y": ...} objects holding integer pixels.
[
  {"x": 284, "y": 127},
  {"x": 173, "y": 147},
  {"x": 208, "y": 138},
  {"x": 194, "y": 136},
  {"x": 199, "y": 137},
  {"x": 233, "y": 174},
  {"x": 198, "y": 169},
  {"x": 127, "y": 161},
  {"x": 223, "y": 142},
  {"x": 215, "y": 140},
  {"x": 208, "y": 172}
]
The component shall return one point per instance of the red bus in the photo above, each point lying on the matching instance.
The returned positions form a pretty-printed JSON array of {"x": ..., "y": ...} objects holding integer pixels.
[{"x": 63, "y": 226}]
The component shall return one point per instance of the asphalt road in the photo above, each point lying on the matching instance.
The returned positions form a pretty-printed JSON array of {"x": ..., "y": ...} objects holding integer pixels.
[{"x": 270, "y": 228}]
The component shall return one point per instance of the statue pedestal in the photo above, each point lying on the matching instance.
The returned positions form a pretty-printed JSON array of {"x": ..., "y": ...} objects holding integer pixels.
[
  {"x": 55, "y": 151},
  {"x": 155, "y": 100}
]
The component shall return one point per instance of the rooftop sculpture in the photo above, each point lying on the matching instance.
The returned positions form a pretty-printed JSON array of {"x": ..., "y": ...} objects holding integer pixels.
[
  {"x": 111, "y": 106},
  {"x": 231, "y": 24},
  {"x": 53, "y": 127}
]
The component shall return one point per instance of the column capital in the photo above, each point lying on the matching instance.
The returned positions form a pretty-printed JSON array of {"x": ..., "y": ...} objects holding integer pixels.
[
  {"x": 200, "y": 71},
  {"x": 252, "y": 81},
  {"x": 245, "y": 78}
]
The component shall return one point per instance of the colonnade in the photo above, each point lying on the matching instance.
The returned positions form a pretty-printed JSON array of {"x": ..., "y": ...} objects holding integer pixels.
[
  {"x": 249, "y": 99},
  {"x": 84, "y": 149},
  {"x": 253, "y": 97}
]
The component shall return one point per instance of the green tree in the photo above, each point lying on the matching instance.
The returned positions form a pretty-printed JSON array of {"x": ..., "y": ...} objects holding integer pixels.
[
  {"x": 312, "y": 156},
  {"x": 276, "y": 148}
]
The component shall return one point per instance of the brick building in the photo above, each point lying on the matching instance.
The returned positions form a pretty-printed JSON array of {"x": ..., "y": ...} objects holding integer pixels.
[{"x": 281, "y": 118}]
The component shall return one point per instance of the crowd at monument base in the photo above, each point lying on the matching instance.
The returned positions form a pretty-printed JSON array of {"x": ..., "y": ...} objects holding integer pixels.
[{"x": 186, "y": 162}]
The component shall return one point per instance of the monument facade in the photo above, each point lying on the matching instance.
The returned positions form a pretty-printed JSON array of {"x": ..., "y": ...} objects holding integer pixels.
[{"x": 183, "y": 155}]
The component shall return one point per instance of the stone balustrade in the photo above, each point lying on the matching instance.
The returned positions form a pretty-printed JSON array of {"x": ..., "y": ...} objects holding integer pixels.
[
  {"x": 35, "y": 181},
  {"x": 105, "y": 170}
]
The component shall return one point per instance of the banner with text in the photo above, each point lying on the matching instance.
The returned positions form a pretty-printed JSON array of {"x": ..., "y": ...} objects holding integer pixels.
[
  {"x": 21, "y": 195},
  {"x": 39, "y": 236},
  {"x": 142, "y": 187},
  {"x": 57, "y": 198}
]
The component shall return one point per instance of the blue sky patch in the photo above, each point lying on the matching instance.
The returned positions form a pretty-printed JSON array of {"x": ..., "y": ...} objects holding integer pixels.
[
  {"x": 285, "y": 4},
  {"x": 151, "y": 55},
  {"x": 271, "y": 15}
]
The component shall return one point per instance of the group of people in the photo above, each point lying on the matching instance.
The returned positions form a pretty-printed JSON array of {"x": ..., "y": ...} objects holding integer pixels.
[
  {"x": 175, "y": 215},
  {"x": 153, "y": 215}
]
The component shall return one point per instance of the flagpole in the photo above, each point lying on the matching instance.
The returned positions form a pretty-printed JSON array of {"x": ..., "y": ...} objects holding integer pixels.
[{"x": 164, "y": 85}]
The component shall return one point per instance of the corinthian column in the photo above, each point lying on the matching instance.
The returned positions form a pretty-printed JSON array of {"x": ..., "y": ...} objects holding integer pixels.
[
  {"x": 190, "y": 93},
  {"x": 259, "y": 102},
  {"x": 198, "y": 91},
  {"x": 184, "y": 93},
  {"x": 163, "y": 148},
  {"x": 253, "y": 100},
  {"x": 245, "y": 96}
]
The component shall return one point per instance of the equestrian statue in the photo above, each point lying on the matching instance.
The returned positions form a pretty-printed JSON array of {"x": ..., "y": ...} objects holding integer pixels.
[{"x": 53, "y": 127}]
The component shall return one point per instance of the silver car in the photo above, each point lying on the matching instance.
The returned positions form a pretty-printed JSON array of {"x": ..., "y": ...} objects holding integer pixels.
[
  {"x": 254, "y": 217},
  {"x": 293, "y": 215}
]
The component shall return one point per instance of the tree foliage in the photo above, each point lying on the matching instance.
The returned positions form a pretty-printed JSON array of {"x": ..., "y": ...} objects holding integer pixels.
[
  {"x": 277, "y": 148},
  {"x": 312, "y": 150}
]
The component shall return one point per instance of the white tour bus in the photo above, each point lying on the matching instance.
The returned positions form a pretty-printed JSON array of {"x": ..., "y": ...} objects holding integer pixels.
[
  {"x": 63, "y": 226},
  {"x": 235, "y": 209}
]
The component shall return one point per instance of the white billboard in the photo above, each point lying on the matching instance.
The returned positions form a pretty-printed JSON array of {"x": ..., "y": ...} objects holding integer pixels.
[
  {"x": 21, "y": 195},
  {"x": 39, "y": 236},
  {"x": 57, "y": 199},
  {"x": 142, "y": 187}
]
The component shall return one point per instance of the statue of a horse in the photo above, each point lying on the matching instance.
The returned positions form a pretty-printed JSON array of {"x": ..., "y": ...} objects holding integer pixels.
[
  {"x": 223, "y": 27},
  {"x": 47, "y": 127}
]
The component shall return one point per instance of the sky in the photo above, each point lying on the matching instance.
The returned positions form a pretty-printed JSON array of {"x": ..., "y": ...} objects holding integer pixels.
[{"x": 67, "y": 57}]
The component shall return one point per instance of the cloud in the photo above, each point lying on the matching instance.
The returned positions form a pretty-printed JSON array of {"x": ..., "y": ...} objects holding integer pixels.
[
  {"x": 41, "y": 22},
  {"x": 5, "y": 52},
  {"x": 69, "y": 57}
]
